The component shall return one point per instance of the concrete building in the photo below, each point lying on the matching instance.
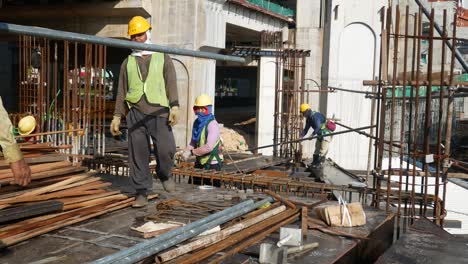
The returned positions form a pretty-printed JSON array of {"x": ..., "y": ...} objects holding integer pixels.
[{"x": 343, "y": 38}]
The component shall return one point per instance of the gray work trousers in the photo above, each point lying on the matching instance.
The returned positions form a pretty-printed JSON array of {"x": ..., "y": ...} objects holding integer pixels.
[{"x": 140, "y": 128}]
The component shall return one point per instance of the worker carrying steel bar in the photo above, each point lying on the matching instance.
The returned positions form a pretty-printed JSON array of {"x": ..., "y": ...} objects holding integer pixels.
[
  {"x": 148, "y": 88},
  {"x": 11, "y": 151},
  {"x": 206, "y": 143},
  {"x": 321, "y": 126}
]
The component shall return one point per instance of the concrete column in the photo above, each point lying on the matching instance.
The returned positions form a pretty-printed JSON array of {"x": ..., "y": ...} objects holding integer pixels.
[{"x": 266, "y": 103}]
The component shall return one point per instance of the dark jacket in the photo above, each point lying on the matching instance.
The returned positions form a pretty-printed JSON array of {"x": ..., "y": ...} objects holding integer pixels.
[{"x": 314, "y": 120}]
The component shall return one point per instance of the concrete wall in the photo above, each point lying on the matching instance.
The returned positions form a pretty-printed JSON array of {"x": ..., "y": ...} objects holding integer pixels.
[
  {"x": 193, "y": 24},
  {"x": 309, "y": 36},
  {"x": 352, "y": 37}
]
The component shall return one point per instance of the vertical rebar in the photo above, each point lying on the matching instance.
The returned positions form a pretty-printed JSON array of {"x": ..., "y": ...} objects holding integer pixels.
[
  {"x": 427, "y": 123},
  {"x": 392, "y": 111},
  {"x": 403, "y": 118}
]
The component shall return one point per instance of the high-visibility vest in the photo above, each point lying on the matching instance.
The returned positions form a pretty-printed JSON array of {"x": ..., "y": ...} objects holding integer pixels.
[
  {"x": 216, "y": 152},
  {"x": 154, "y": 87}
]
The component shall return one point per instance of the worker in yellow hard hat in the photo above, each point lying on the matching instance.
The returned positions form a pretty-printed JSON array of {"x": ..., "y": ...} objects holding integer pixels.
[
  {"x": 148, "y": 89},
  {"x": 206, "y": 143},
  {"x": 321, "y": 127},
  {"x": 11, "y": 151}
]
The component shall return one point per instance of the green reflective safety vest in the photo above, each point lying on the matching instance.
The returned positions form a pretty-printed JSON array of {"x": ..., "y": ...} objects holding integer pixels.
[
  {"x": 154, "y": 87},
  {"x": 216, "y": 152}
]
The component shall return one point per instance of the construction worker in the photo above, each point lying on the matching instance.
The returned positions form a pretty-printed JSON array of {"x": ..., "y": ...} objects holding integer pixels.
[
  {"x": 206, "y": 141},
  {"x": 148, "y": 89},
  {"x": 11, "y": 151},
  {"x": 318, "y": 122}
]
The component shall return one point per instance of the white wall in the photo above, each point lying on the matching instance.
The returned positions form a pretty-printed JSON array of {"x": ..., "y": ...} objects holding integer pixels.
[
  {"x": 266, "y": 103},
  {"x": 354, "y": 46}
]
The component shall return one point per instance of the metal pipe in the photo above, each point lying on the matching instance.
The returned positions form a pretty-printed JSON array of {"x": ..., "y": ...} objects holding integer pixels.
[
  {"x": 171, "y": 233},
  {"x": 454, "y": 49},
  {"x": 118, "y": 43},
  {"x": 154, "y": 246},
  {"x": 311, "y": 137},
  {"x": 216, "y": 237}
]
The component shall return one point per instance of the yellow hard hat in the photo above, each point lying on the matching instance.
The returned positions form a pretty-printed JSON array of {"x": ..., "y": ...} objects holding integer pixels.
[
  {"x": 203, "y": 100},
  {"x": 138, "y": 25},
  {"x": 304, "y": 107},
  {"x": 26, "y": 125}
]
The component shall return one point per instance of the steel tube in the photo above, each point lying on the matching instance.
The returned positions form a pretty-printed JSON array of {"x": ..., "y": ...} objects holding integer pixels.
[
  {"x": 312, "y": 137},
  {"x": 154, "y": 246},
  {"x": 118, "y": 43},
  {"x": 171, "y": 233}
]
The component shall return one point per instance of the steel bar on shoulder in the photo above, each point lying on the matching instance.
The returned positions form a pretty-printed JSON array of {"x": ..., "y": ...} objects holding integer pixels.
[
  {"x": 118, "y": 43},
  {"x": 312, "y": 137},
  {"x": 155, "y": 245},
  {"x": 454, "y": 49}
]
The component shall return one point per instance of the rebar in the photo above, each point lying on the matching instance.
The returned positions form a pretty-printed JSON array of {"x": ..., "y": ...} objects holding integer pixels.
[{"x": 420, "y": 131}]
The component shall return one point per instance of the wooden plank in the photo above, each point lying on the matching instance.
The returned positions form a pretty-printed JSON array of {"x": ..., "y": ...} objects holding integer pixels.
[
  {"x": 67, "y": 201},
  {"x": 49, "y": 226},
  {"x": 96, "y": 201},
  {"x": 46, "y": 174},
  {"x": 7, "y": 173},
  {"x": 25, "y": 211},
  {"x": 67, "y": 219}
]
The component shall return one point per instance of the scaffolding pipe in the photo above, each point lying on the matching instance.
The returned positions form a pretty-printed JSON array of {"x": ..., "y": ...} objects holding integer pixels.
[
  {"x": 454, "y": 49},
  {"x": 173, "y": 233},
  {"x": 171, "y": 238},
  {"x": 118, "y": 43},
  {"x": 312, "y": 137}
]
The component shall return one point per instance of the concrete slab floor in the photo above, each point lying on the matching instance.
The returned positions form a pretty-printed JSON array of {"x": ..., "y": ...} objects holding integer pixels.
[{"x": 104, "y": 235}]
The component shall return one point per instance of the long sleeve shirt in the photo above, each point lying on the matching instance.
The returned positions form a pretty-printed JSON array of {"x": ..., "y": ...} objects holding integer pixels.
[
  {"x": 10, "y": 149},
  {"x": 143, "y": 105},
  {"x": 314, "y": 120},
  {"x": 213, "y": 136}
]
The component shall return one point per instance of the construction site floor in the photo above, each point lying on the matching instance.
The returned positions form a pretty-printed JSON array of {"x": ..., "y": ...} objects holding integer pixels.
[
  {"x": 424, "y": 242},
  {"x": 102, "y": 236}
]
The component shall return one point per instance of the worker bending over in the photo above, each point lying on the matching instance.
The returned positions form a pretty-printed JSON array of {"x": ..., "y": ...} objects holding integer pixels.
[
  {"x": 11, "y": 151},
  {"x": 321, "y": 127},
  {"x": 206, "y": 143},
  {"x": 148, "y": 88}
]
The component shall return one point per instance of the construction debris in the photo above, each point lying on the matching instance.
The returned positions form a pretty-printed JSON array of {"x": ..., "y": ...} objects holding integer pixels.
[{"x": 233, "y": 141}]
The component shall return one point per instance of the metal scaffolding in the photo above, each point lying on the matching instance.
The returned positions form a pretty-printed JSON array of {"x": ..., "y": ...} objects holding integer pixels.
[{"x": 417, "y": 113}]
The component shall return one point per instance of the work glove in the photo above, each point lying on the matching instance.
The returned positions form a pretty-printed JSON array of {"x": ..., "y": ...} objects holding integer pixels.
[
  {"x": 301, "y": 136},
  {"x": 114, "y": 128},
  {"x": 174, "y": 115},
  {"x": 186, "y": 155}
]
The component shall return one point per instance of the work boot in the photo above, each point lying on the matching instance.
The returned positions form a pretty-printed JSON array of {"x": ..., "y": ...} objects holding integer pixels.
[
  {"x": 315, "y": 162},
  {"x": 140, "y": 201},
  {"x": 169, "y": 185},
  {"x": 319, "y": 163}
]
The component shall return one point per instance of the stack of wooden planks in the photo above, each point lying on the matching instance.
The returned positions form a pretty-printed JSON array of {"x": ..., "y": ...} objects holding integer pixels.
[{"x": 59, "y": 194}]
